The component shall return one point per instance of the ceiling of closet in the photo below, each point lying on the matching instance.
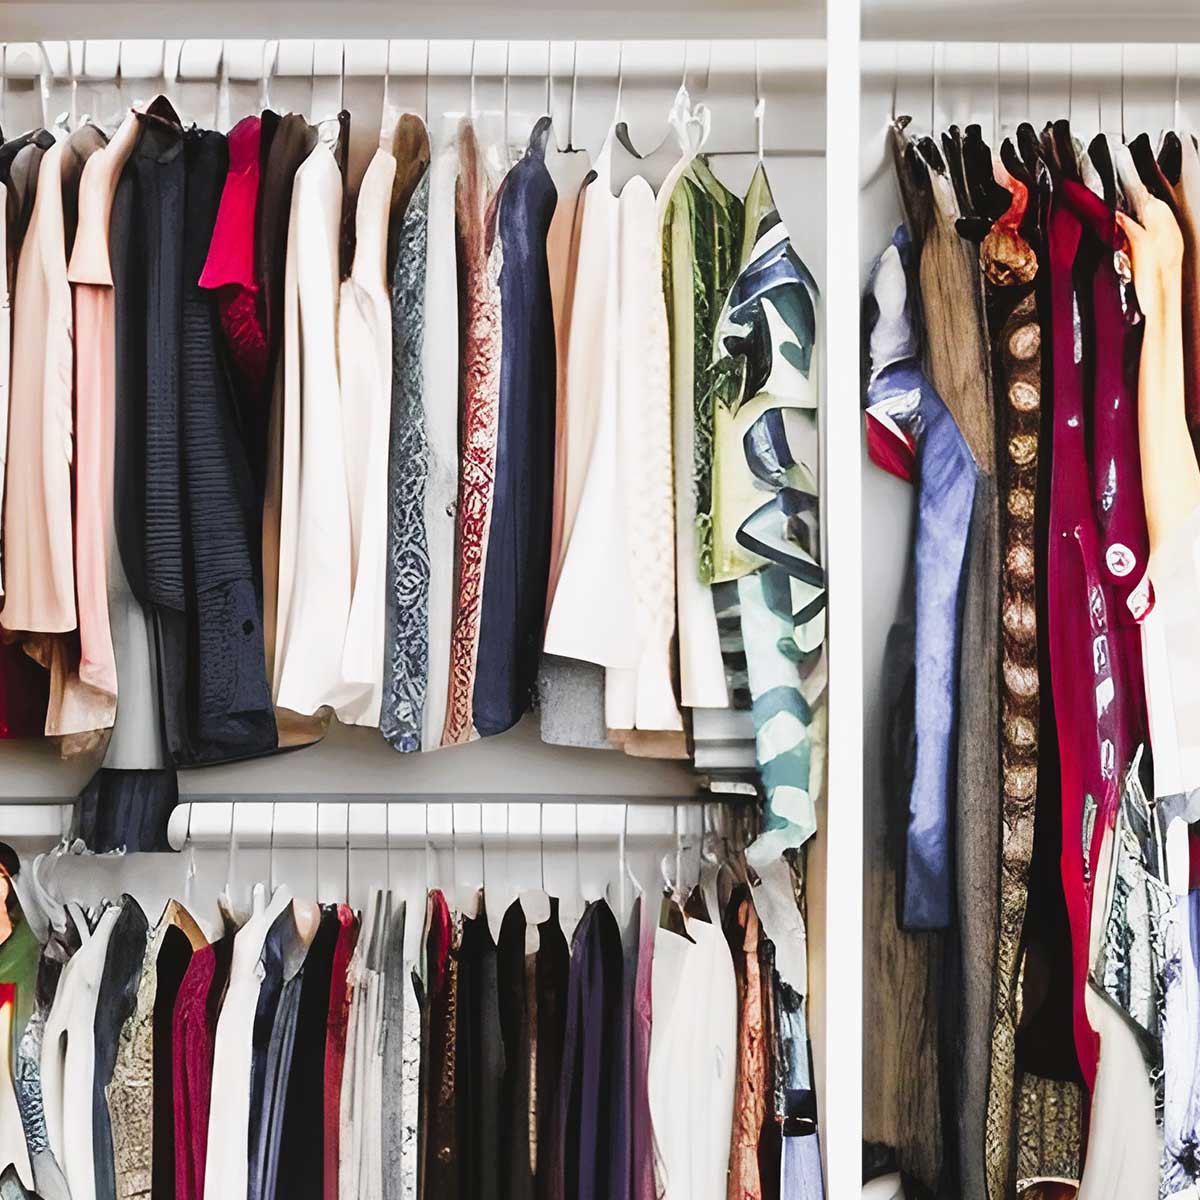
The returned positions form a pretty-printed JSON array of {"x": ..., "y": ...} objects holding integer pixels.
[
  {"x": 22, "y": 20},
  {"x": 1031, "y": 20}
]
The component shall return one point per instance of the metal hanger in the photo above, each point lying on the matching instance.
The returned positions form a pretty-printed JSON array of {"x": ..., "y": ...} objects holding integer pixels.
[
  {"x": 428, "y": 852},
  {"x": 44, "y": 85},
  {"x": 620, "y": 81},
  {"x": 347, "y": 852},
  {"x": 574, "y": 91},
  {"x": 933, "y": 90},
  {"x": 189, "y": 873},
  {"x": 271, "y": 852},
  {"x": 453, "y": 855},
  {"x": 1122, "y": 91},
  {"x": 387, "y": 842},
  {"x": 1175, "y": 112},
  {"x": 507, "y": 61},
  {"x": 760, "y": 106},
  {"x": 230, "y": 856},
  {"x": 471, "y": 94},
  {"x": 428, "y": 52}
]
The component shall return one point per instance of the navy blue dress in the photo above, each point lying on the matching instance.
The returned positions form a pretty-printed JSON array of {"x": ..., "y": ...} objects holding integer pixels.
[{"x": 518, "y": 554}]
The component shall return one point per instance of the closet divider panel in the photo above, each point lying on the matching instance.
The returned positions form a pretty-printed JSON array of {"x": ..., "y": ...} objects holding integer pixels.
[{"x": 841, "y": 954}]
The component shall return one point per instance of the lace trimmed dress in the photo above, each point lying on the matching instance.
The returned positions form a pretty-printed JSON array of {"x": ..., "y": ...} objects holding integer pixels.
[{"x": 406, "y": 611}]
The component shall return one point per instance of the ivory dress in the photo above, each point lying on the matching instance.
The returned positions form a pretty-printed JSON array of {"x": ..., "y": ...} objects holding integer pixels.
[
  {"x": 365, "y": 365},
  {"x": 315, "y": 560}
]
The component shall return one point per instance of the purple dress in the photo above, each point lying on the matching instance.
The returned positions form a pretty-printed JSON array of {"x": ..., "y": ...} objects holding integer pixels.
[{"x": 592, "y": 1099}]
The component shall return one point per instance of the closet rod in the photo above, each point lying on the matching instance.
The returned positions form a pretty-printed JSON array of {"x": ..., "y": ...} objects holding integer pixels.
[{"x": 438, "y": 825}]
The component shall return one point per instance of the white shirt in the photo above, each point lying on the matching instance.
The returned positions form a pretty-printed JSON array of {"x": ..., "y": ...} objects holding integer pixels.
[
  {"x": 693, "y": 1058},
  {"x": 226, "y": 1164}
]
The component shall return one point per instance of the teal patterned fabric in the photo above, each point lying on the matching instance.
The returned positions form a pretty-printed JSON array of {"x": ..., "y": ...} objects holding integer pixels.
[{"x": 765, "y": 358}]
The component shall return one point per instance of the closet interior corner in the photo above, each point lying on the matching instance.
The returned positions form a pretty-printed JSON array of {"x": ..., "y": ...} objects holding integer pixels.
[
  {"x": 415, "y": 642},
  {"x": 1027, "y": 264}
]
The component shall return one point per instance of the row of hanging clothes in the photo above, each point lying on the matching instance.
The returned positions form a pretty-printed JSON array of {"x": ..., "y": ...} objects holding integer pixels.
[
  {"x": 480, "y": 1048},
  {"x": 1034, "y": 372},
  {"x": 487, "y": 430}
]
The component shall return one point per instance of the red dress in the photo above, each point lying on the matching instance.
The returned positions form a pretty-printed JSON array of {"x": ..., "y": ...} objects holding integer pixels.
[
  {"x": 229, "y": 270},
  {"x": 335, "y": 1044}
]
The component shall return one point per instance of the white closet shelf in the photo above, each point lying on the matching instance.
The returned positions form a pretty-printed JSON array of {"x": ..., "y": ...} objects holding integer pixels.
[
  {"x": 35, "y": 19},
  {"x": 1078, "y": 21}
]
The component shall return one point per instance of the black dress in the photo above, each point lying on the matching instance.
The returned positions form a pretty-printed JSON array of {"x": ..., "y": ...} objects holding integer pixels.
[{"x": 229, "y": 712}]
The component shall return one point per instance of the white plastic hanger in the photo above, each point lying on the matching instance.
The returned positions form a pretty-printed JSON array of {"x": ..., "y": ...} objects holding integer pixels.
[{"x": 270, "y": 53}]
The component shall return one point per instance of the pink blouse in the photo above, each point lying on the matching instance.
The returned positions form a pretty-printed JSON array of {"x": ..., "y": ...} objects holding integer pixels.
[{"x": 90, "y": 276}]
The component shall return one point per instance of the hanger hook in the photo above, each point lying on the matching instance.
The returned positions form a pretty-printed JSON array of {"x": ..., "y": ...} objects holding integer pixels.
[
  {"x": 1122, "y": 91},
  {"x": 933, "y": 90},
  {"x": 482, "y": 856},
  {"x": 507, "y": 63},
  {"x": 428, "y": 55},
  {"x": 271, "y": 852},
  {"x": 1070, "y": 79},
  {"x": 683, "y": 73},
  {"x": 471, "y": 112},
  {"x": 760, "y": 105},
  {"x": 996, "y": 103},
  {"x": 428, "y": 852},
  {"x": 347, "y": 852},
  {"x": 620, "y": 79},
  {"x": 622, "y": 858},
  {"x": 44, "y": 84},
  {"x": 578, "y": 863},
  {"x": 1175, "y": 114},
  {"x": 342, "y": 82},
  {"x": 387, "y": 79},
  {"x": 71, "y": 73},
  {"x": 549, "y": 80},
  {"x": 574, "y": 90},
  {"x": 232, "y": 850},
  {"x": 542, "y": 845},
  {"x": 387, "y": 841}
]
